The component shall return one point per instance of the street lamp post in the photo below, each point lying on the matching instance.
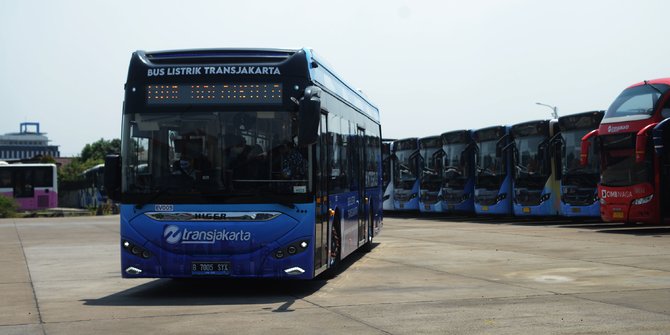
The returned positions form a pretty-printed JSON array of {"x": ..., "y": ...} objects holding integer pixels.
[{"x": 554, "y": 114}]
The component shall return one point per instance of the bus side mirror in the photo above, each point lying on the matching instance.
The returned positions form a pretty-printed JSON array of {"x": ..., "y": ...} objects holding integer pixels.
[
  {"x": 309, "y": 115},
  {"x": 112, "y": 178},
  {"x": 641, "y": 142},
  {"x": 584, "y": 155}
]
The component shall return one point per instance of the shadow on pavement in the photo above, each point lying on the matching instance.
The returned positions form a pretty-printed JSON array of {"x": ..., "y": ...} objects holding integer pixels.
[{"x": 222, "y": 291}]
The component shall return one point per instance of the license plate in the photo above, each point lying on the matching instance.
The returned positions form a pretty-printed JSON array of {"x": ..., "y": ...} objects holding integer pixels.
[
  {"x": 210, "y": 268},
  {"x": 526, "y": 210},
  {"x": 576, "y": 209},
  {"x": 485, "y": 208},
  {"x": 617, "y": 215}
]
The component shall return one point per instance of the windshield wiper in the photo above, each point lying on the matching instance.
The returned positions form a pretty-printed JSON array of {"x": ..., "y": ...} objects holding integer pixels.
[{"x": 654, "y": 87}]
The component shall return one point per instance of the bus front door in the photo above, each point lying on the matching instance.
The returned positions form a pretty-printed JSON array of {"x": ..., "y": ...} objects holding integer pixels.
[{"x": 321, "y": 229}]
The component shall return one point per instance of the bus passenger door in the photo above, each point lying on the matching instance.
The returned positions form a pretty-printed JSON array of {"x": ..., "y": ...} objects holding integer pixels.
[
  {"x": 362, "y": 196},
  {"x": 321, "y": 198}
]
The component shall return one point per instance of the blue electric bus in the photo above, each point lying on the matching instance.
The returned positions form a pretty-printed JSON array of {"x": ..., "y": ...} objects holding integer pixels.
[
  {"x": 579, "y": 184},
  {"x": 493, "y": 178},
  {"x": 243, "y": 163},
  {"x": 458, "y": 172},
  {"x": 536, "y": 183},
  {"x": 430, "y": 174},
  {"x": 387, "y": 173},
  {"x": 406, "y": 174}
]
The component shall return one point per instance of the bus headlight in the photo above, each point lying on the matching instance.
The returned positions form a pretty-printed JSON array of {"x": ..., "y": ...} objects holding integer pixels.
[
  {"x": 545, "y": 197},
  {"x": 501, "y": 197},
  {"x": 642, "y": 201}
]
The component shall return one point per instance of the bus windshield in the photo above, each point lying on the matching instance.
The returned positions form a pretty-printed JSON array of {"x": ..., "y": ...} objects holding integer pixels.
[
  {"x": 454, "y": 165},
  {"x": 571, "y": 150},
  {"x": 619, "y": 166},
  {"x": 488, "y": 163},
  {"x": 405, "y": 169},
  {"x": 213, "y": 153},
  {"x": 430, "y": 163},
  {"x": 529, "y": 162},
  {"x": 636, "y": 102}
]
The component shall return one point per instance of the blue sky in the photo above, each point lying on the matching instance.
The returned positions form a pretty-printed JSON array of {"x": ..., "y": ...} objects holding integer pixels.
[{"x": 431, "y": 66}]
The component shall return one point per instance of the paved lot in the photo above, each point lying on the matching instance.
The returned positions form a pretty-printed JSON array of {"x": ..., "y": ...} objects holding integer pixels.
[{"x": 433, "y": 276}]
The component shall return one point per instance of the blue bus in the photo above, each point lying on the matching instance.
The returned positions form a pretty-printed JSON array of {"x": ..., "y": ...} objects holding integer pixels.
[
  {"x": 406, "y": 174},
  {"x": 536, "y": 183},
  {"x": 493, "y": 178},
  {"x": 243, "y": 163},
  {"x": 430, "y": 174},
  {"x": 387, "y": 174},
  {"x": 458, "y": 172},
  {"x": 92, "y": 195},
  {"x": 579, "y": 184}
]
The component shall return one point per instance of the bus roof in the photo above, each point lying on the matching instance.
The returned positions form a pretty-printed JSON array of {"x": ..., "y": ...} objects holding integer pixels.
[{"x": 665, "y": 81}]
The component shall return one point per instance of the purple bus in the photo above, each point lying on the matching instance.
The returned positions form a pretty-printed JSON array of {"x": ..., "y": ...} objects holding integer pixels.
[{"x": 33, "y": 186}]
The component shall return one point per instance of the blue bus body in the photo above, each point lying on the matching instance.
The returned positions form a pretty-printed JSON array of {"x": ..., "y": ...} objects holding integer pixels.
[
  {"x": 458, "y": 181},
  {"x": 536, "y": 184},
  {"x": 243, "y": 163},
  {"x": 406, "y": 174},
  {"x": 493, "y": 178},
  {"x": 579, "y": 184},
  {"x": 430, "y": 174}
]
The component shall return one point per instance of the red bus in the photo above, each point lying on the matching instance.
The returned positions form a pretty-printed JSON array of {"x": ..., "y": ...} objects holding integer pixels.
[{"x": 630, "y": 177}]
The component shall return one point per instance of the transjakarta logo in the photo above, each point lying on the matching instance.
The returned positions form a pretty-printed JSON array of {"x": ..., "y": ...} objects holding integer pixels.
[
  {"x": 198, "y": 70},
  {"x": 174, "y": 235},
  {"x": 614, "y": 129}
]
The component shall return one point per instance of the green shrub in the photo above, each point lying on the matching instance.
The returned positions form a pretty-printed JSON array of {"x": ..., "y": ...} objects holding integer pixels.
[{"x": 8, "y": 207}]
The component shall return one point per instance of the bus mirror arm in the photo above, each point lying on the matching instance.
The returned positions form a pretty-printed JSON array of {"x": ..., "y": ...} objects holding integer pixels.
[
  {"x": 584, "y": 155},
  {"x": 112, "y": 177},
  {"x": 641, "y": 140},
  {"x": 309, "y": 115}
]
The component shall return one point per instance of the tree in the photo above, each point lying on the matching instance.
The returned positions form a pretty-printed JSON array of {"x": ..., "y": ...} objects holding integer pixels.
[
  {"x": 99, "y": 149},
  {"x": 92, "y": 155}
]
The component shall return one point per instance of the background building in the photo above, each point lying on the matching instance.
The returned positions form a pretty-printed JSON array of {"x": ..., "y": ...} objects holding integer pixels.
[{"x": 29, "y": 142}]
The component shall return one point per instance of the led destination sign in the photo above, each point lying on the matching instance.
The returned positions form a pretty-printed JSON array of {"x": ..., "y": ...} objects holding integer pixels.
[{"x": 214, "y": 94}]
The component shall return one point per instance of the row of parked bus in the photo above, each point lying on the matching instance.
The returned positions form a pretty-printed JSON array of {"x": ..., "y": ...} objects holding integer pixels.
[{"x": 610, "y": 164}]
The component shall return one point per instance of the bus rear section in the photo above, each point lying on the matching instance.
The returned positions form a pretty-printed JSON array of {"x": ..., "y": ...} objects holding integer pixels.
[
  {"x": 536, "y": 185},
  {"x": 579, "y": 183},
  {"x": 493, "y": 178},
  {"x": 430, "y": 174},
  {"x": 32, "y": 186},
  {"x": 630, "y": 180},
  {"x": 243, "y": 163},
  {"x": 458, "y": 171},
  {"x": 406, "y": 174}
]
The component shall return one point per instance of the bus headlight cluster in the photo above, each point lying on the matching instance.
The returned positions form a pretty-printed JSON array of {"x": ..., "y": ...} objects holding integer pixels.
[
  {"x": 291, "y": 249},
  {"x": 414, "y": 195},
  {"x": 136, "y": 249},
  {"x": 501, "y": 197},
  {"x": 545, "y": 197},
  {"x": 642, "y": 201}
]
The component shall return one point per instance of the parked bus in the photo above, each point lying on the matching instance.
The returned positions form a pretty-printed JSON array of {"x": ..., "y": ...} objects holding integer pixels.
[
  {"x": 579, "y": 184},
  {"x": 33, "y": 186},
  {"x": 243, "y": 163},
  {"x": 406, "y": 174},
  {"x": 536, "y": 183},
  {"x": 493, "y": 179},
  {"x": 93, "y": 193},
  {"x": 430, "y": 174},
  {"x": 387, "y": 173},
  {"x": 458, "y": 172},
  {"x": 630, "y": 179}
]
